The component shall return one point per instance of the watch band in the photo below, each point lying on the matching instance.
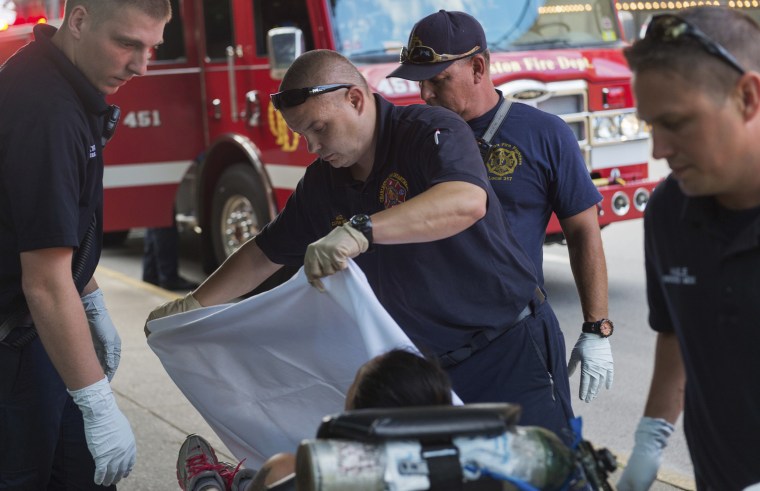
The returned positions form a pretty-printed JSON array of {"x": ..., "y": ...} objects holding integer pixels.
[{"x": 362, "y": 223}]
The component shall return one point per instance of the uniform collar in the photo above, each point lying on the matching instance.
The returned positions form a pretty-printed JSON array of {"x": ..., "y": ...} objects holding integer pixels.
[
  {"x": 485, "y": 119},
  {"x": 93, "y": 100}
]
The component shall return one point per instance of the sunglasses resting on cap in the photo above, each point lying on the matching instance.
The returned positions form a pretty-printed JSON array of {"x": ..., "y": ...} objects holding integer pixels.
[{"x": 425, "y": 54}]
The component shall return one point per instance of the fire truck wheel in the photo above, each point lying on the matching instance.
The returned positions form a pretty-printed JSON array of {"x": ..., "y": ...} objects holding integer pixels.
[{"x": 238, "y": 210}]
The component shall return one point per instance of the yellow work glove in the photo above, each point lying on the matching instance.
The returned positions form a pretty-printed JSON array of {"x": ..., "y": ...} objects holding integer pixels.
[
  {"x": 184, "y": 304},
  {"x": 330, "y": 254}
]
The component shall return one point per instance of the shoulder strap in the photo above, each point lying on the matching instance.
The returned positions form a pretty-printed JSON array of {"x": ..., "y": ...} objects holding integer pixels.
[{"x": 501, "y": 113}]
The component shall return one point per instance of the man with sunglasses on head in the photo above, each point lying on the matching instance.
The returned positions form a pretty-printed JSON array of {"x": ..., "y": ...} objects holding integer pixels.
[
  {"x": 402, "y": 190},
  {"x": 534, "y": 164},
  {"x": 697, "y": 83}
]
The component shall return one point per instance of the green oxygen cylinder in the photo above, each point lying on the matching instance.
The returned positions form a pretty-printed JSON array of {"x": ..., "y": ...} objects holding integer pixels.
[{"x": 529, "y": 454}]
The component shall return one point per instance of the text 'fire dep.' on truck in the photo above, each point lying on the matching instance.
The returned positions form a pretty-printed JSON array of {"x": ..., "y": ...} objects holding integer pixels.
[{"x": 199, "y": 138}]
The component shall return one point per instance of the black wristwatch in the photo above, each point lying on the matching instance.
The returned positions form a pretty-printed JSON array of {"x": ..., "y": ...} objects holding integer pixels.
[
  {"x": 602, "y": 327},
  {"x": 362, "y": 223}
]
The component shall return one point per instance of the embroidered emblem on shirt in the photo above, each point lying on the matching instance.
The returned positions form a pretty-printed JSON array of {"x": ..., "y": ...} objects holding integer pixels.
[
  {"x": 93, "y": 151},
  {"x": 679, "y": 276},
  {"x": 338, "y": 221},
  {"x": 503, "y": 159},
  {"x": 393, "y": 191}
]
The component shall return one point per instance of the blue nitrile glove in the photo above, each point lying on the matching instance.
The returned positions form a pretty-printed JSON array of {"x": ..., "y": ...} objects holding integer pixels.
[
  {"x": 104, "y": 336},
  {"x": 594, "y": 354},
  {"x": 651, "y": 438},
  {"x": 109, "y": 436}
]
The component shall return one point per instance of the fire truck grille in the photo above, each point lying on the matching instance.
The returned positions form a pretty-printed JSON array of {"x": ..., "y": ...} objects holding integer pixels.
[
  {"x": 571, "y": 108},
  {"x": 563, "y": 104}
]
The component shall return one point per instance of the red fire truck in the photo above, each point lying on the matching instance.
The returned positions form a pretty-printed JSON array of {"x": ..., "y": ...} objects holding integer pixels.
[
  {"x": 635, "y": 15},
  {"x": 199, "y": 139}
]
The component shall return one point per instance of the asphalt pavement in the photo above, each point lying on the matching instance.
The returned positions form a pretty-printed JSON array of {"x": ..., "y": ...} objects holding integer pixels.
[{"x": 160, "y": 415}]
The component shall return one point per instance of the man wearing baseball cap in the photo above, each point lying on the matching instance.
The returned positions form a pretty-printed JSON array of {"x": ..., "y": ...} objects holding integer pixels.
[{"x": 535, "y": 166}]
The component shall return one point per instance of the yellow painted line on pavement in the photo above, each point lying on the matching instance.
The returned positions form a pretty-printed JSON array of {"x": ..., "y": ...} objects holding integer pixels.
[{"x": 156, "y": 290}]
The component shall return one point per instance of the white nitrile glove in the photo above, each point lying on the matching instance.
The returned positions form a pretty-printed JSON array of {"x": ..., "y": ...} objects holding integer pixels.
[
  {"x": 594, "y": 354},
  {"x": 651, "y": 438},
  {"x": 184, "y": 304},
  {"x": 331, "y": 253},
  {"x": 109, "y": 436},
  {"x": 104, "y": 336}
]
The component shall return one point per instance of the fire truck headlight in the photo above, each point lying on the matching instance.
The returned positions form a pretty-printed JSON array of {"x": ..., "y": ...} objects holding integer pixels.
[
  {"x": 620, "y": 203},
  {"x": 630, "y": 125},
  {"x": 605, "y": 128},
  {"x": 640, "y": 199}
]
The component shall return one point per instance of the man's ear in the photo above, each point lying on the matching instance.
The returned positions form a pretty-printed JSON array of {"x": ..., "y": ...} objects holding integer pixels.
[
  {"x": 77, "y": 20},
  {"x": 749, "y": 96},
  {"x": 357, "y": 98},
  {"x": 479, "y": 68}
]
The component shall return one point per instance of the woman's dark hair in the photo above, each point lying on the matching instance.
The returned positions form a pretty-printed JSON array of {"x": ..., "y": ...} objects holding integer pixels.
[{"x": 400, "y": 378}]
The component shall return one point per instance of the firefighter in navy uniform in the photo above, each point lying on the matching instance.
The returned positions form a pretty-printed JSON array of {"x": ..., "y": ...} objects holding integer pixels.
[
  {"x": 534, "y": 165},
  {"x": 60, "y": 425},
  {"x": 697, "y": 83},
  {"x": 404, "y": 192}
]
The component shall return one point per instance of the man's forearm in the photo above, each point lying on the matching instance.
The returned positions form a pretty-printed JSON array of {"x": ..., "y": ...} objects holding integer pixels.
[
  {"x": 59, "y": 316},
  {"x": 440, "y": 212},
  {"x": 587, "y": 261},
  {"x": 242, "y": 272},
  {"x": 62, "y": 326},
  {"x": 666, "y": 392}
]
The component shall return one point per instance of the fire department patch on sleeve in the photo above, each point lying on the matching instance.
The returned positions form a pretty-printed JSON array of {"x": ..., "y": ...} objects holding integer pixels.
[
  {"x": 393, "y": 190},
  {"x": 503, "y": 159}
]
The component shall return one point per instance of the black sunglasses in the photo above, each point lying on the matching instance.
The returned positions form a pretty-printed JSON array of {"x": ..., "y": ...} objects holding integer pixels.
[
  {"x": 296, "y": 97},
  {"x": 424, "y": 54},
  {"x": 670, "y": 28}
]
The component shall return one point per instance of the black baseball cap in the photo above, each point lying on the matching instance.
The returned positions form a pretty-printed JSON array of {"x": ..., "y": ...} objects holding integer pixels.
[{"x": 437, "y": 41}]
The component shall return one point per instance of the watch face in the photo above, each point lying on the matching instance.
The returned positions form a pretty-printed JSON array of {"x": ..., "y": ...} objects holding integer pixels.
[{"x": 605, "y": 328}]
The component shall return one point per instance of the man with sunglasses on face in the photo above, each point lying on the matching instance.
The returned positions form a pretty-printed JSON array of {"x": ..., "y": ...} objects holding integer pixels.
[
  {"x": 697, "y": 83},
  {"x": 534, "y": 164},
  {"x": 403, "y": 191}
]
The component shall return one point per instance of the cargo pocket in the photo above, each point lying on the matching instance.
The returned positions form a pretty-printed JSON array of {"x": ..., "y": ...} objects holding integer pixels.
[{"x": 541, "y": 348}]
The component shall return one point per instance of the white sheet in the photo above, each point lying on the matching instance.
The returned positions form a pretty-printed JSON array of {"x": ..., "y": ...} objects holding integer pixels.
[{"x": 264, "y": 371}]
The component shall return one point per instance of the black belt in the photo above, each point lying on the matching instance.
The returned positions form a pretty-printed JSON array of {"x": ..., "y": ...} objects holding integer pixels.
[{"x": 483, "y": 338}]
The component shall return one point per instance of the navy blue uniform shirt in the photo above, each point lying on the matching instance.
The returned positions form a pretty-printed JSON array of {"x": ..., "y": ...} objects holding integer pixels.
[
  {"x": 51, "y": 167},
  {"x": 703, "y": 283},
  {"x": 439, "y": 292},
  {"x": 536, "y": 168}
]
